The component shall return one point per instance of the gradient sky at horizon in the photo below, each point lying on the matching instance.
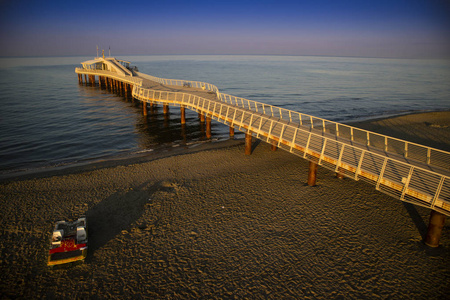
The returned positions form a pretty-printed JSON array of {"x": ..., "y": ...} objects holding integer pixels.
[{"x": 383, "y": 28}]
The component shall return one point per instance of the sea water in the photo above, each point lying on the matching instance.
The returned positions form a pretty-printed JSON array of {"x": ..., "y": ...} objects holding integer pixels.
[{"x": 48, "y": 119}]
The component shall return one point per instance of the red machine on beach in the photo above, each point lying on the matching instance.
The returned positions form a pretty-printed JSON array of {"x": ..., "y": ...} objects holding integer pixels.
[{"x": 69, "y": 242}]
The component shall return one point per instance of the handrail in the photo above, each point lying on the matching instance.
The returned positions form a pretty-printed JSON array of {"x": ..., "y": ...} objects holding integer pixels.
[
  {"x": 409, "y": 150},
  {"x": 183, "y": 83},
  {"x": 409, "y": 183},
  {"x": 425, "y": 154}
]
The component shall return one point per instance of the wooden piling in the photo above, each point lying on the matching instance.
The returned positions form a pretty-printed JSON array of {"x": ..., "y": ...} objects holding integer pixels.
[
  {"x": 437, "y": 221},
  {"x": 339, "y": 174},
  {"x": 202, "y": 117},
  {"x": 208, "y": 127},
  {"x": 231, "y": 131},
  {"x": 165, "y": 109},
  {"x": 183, "y": 114},
  {"x": 144, "y": 108},
  {"x": 312, "y": 173},
  {"x": 248, "y": 143},
  {"x": 274, "y": 145}
]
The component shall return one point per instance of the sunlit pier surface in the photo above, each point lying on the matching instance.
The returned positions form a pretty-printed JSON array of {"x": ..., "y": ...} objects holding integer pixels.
[{"x": 406, "y": 171}]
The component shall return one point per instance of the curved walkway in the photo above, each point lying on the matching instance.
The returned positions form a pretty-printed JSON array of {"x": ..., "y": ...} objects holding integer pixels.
[{"x": 407, "y": 171}]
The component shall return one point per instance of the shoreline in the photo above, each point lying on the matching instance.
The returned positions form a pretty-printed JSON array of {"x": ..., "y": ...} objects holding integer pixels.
[{"x": 378, "y": 125}]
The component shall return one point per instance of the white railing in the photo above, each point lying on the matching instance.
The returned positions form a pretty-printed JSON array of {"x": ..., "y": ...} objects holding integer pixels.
[
  {"x": 184, "y": 83},
  {"x": 413, "y": 151},
  {"x": 398, "y": 178}
]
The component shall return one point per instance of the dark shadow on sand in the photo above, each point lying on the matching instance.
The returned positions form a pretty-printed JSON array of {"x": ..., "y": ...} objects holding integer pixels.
[
  {"x": 116, "y": 213},
  {"x": 416, "y": 218}
]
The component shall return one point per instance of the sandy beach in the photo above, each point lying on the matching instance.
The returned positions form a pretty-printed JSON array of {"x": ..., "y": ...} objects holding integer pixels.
[{"x": 217, "y": 224}]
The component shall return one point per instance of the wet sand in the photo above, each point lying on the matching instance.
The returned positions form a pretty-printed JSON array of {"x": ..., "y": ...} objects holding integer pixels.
[{"x": 216, "y": 224}]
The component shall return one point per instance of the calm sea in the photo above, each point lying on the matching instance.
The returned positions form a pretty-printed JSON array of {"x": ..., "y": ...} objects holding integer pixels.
[{"x": 48, "y": 119}]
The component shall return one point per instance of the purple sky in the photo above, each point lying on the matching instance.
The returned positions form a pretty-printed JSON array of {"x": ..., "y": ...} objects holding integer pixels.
[{"x": 394, "y": 28}]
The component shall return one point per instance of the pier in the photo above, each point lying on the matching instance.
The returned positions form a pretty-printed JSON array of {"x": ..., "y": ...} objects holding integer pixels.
[{"x": 406, "y": 171}]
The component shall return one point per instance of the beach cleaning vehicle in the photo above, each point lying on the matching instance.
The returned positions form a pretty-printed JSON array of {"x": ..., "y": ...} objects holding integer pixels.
[{"x": 69, "y": 242}]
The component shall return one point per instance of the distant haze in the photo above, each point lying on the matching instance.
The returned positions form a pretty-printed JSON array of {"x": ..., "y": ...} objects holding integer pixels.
[{"x": 394, "y": 28}]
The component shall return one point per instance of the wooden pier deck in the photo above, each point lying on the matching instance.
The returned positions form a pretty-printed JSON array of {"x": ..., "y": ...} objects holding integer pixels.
[{"x": 406, "y": 171}]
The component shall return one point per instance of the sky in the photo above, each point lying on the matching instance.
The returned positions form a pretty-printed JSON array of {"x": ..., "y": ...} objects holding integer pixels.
[{"x": 381, "y": 28}]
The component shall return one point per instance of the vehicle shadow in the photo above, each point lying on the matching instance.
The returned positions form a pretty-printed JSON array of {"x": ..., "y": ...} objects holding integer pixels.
[{"x": 116, "y": 213}]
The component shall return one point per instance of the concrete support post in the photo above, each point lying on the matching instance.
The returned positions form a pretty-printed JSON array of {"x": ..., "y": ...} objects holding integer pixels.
[
  {"x": 312, "y": 174},
  {"x": 166, "y": 109},
  {"x": 231, "y": 131},
  {"x": 248, "y": 143},
  {"x": 144, "y": 108},
  {"x": 183, "y": 115},
  {"x": 274, "y": 146},
  {"x": 437, "y": 221},
  {"x": 208, "y": 127}
]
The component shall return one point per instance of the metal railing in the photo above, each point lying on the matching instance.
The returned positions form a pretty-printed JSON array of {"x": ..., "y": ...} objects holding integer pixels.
[
  {"x": 384, "y": 143},
  {"x": 393, "y": 176},
  {"x": 183, "y": 83}
]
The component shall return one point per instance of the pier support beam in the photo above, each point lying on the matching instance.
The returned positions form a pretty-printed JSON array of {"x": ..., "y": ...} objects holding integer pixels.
[
  {"x": 312, "y": 173},
  {"x": 208, "y": 127},
  {"x": 232, "y": 131},
  {"x": 248, "y": 143},
  {"x": 166, "y": 109},
  {"x": 274, "y": 145},
  {"x": 339, "y": 174},
  {"x": 202, "y": 117},
  {"x": 437, "y": 221},
  {"x": 183, "y": 114},
  {"x": 144, "y": 108}
]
